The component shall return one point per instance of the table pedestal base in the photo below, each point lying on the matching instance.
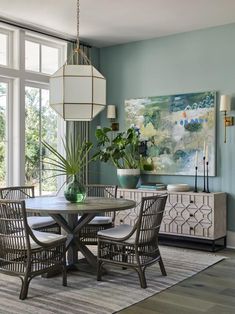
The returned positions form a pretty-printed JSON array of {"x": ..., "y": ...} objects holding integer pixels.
[{"x": 72, "y": 227}]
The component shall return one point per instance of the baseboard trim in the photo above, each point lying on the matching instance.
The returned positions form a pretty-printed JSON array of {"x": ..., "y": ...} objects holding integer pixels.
[{"x": 231, "y": 239}]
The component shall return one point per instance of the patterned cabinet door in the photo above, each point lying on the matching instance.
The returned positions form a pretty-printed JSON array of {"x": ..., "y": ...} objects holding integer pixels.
[
  {"x": 173, "y": 220},
  {"x": 202, "y": 210},
  {"x": 189, "y": 215}
]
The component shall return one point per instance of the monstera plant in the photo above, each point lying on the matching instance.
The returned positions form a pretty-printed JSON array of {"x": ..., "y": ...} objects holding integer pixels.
[{"x": 122, "y": 151}]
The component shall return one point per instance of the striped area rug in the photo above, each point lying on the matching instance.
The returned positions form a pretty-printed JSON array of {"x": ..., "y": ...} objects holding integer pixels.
[{"x": 119, "y": 288}]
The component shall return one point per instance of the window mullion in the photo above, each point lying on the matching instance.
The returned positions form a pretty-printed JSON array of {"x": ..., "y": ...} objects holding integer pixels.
[
  {"x": 9, "y": 135},
  {"x": 5, "y": 83},
  {"x": 40, "y": 58},
  {"x": 19, "y": 118},
  {"x": 40, "y": 141}
]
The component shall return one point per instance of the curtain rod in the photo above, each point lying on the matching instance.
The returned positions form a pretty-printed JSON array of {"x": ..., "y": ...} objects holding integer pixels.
[{"x": 39, "y": 30}]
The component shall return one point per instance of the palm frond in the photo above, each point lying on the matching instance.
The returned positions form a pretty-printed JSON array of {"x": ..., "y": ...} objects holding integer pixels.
[{"x": 76, "y": 156}]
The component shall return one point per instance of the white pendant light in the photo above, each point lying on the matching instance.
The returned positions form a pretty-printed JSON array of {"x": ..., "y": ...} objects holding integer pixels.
[{"x": 78, "y": 92}]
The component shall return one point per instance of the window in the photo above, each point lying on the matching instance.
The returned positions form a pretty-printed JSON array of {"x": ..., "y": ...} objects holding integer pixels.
[
  {"x": 3, "y": 133},
  {"x": 3, "y": 49},
  {"x": 40, "y": 125},
  {"x": 50, "y": 59},
  {"x": 23, "y": 129},
  {"x": 6, "y": 47},
  {"x": 32, "y": 56},
  {"x": 41, "y": 56}
]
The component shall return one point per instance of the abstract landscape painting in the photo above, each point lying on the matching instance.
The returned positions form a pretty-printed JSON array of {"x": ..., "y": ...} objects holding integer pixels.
[{"x": 176, "y": 130}]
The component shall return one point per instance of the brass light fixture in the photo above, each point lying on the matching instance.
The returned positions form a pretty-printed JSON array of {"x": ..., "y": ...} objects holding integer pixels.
[
  {"x": 78, "y": 92},
  {"x": 225, "y": 106}
]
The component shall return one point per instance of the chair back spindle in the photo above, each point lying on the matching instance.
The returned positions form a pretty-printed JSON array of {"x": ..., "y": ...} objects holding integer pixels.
[
  {"x": 21, "y": 253},
  {"x": 150, "y": 218},
  {"x": 101, "y": 190},
  {"x": 25, "y": 192},
  {"x": 88, "y": 234},
  {"x": 137, "y": 246},
  {"x": 13, "y": 234},
  {"x": 17, "y": 192}
]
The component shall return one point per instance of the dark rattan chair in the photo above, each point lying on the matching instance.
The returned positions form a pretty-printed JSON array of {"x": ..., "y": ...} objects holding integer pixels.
[
  {"x": 137, "y": 246},
  {"x": 27, "y": 253},
  {"x": 40, "y": 223},
  {"x": 88, "y": 234}
]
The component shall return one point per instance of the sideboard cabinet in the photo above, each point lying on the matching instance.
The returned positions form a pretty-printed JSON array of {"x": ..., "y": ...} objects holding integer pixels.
[{"x": 190, "y": 219}]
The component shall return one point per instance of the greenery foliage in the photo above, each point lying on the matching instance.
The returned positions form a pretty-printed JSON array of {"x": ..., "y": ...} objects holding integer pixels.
[
  {"x": 76, "y": 157},
  {"x": 3, "y": 95},
  {"x": 40, "y": 124},
  {"x": 122, "y": 150}
]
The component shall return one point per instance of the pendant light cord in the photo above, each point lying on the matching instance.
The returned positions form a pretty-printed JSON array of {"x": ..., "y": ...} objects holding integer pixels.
[
  {"x": 77, "y": 50},
  {"x": 78, "y": 13}
]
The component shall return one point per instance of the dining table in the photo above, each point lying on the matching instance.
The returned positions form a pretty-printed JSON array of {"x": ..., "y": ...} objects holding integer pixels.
[{"x": 66, "y": 214}]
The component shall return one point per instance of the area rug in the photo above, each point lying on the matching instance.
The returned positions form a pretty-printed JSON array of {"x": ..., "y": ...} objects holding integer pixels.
[{"x": 118, "y": 290}]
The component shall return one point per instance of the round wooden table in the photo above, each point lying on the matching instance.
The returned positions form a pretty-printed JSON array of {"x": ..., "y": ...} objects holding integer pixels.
[{"x": 66, "y": 215}]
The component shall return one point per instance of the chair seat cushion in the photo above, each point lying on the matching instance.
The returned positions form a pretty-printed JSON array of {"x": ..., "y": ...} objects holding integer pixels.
[
  {"x": 45, "y": 237},
  {"x": 117, "y": 233},
  {"x": 36, "y": 222},
  {"x": 100, "y": 220}
]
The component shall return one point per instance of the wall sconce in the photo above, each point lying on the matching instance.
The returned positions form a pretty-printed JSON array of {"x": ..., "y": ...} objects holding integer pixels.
[
  {"x": 111, "y": 114},
  {"x": 225, "y": 106}
]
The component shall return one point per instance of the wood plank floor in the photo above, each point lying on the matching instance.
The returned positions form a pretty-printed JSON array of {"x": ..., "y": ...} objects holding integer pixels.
[{"x": 211, "y": 291}]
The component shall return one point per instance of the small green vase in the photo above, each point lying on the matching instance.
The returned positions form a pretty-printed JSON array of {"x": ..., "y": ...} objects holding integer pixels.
[{"x": 75, "y": 192}]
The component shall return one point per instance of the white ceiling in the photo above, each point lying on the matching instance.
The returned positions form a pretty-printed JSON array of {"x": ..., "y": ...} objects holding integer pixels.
[{"x": 110, "y": 22}]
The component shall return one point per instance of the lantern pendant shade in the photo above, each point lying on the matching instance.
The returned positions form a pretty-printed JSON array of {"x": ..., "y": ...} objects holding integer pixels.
[{"x": 77, "y": 92}]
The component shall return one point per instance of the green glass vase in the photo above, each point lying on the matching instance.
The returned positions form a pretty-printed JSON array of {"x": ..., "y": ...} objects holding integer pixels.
[{"x": 75, "y": 191}]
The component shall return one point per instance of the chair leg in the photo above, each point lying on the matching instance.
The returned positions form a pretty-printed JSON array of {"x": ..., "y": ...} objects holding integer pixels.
[
  {"x": 24, "y": 287},
  {"x": 64, "y": 276},
  {"x": 64, "y": 271},
  {"x": 142, "y": 278},
  {"x": 124, "y": 257},
  {"x": 162, "y": 267},
  {"x": 99, "y": 272}
]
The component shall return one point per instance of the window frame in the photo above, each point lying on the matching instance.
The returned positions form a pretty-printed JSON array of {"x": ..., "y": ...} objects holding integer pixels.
[
  {"x": 61, "y": 125},
  {"x": 9, "y": 52},
  {"x": 40, "y": 87},
  {"x": 18, "y": 78},
  {"x": 9, "y": 122},
  {"x": 44, "y": 42}
]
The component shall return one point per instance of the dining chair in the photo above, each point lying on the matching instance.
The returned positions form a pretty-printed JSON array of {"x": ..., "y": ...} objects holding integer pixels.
[
  {"x": 88, "y": 234},
  {"x": 27, "y": 253},
  {"x": 137, "y": 246},
  {"x": 40, "y": 223}
]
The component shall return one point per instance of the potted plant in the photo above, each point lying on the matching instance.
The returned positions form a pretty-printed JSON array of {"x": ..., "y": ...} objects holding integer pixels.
[
  {"x": 71, "y": 166},
  {"x": 123, "y": 152}
]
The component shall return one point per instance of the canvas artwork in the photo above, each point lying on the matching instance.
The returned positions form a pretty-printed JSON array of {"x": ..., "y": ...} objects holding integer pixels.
[{"x": 175, "y": 130}]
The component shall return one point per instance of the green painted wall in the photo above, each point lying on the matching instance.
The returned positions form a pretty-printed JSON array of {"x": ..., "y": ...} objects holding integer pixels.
[{"x": 189, "y": 62}]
